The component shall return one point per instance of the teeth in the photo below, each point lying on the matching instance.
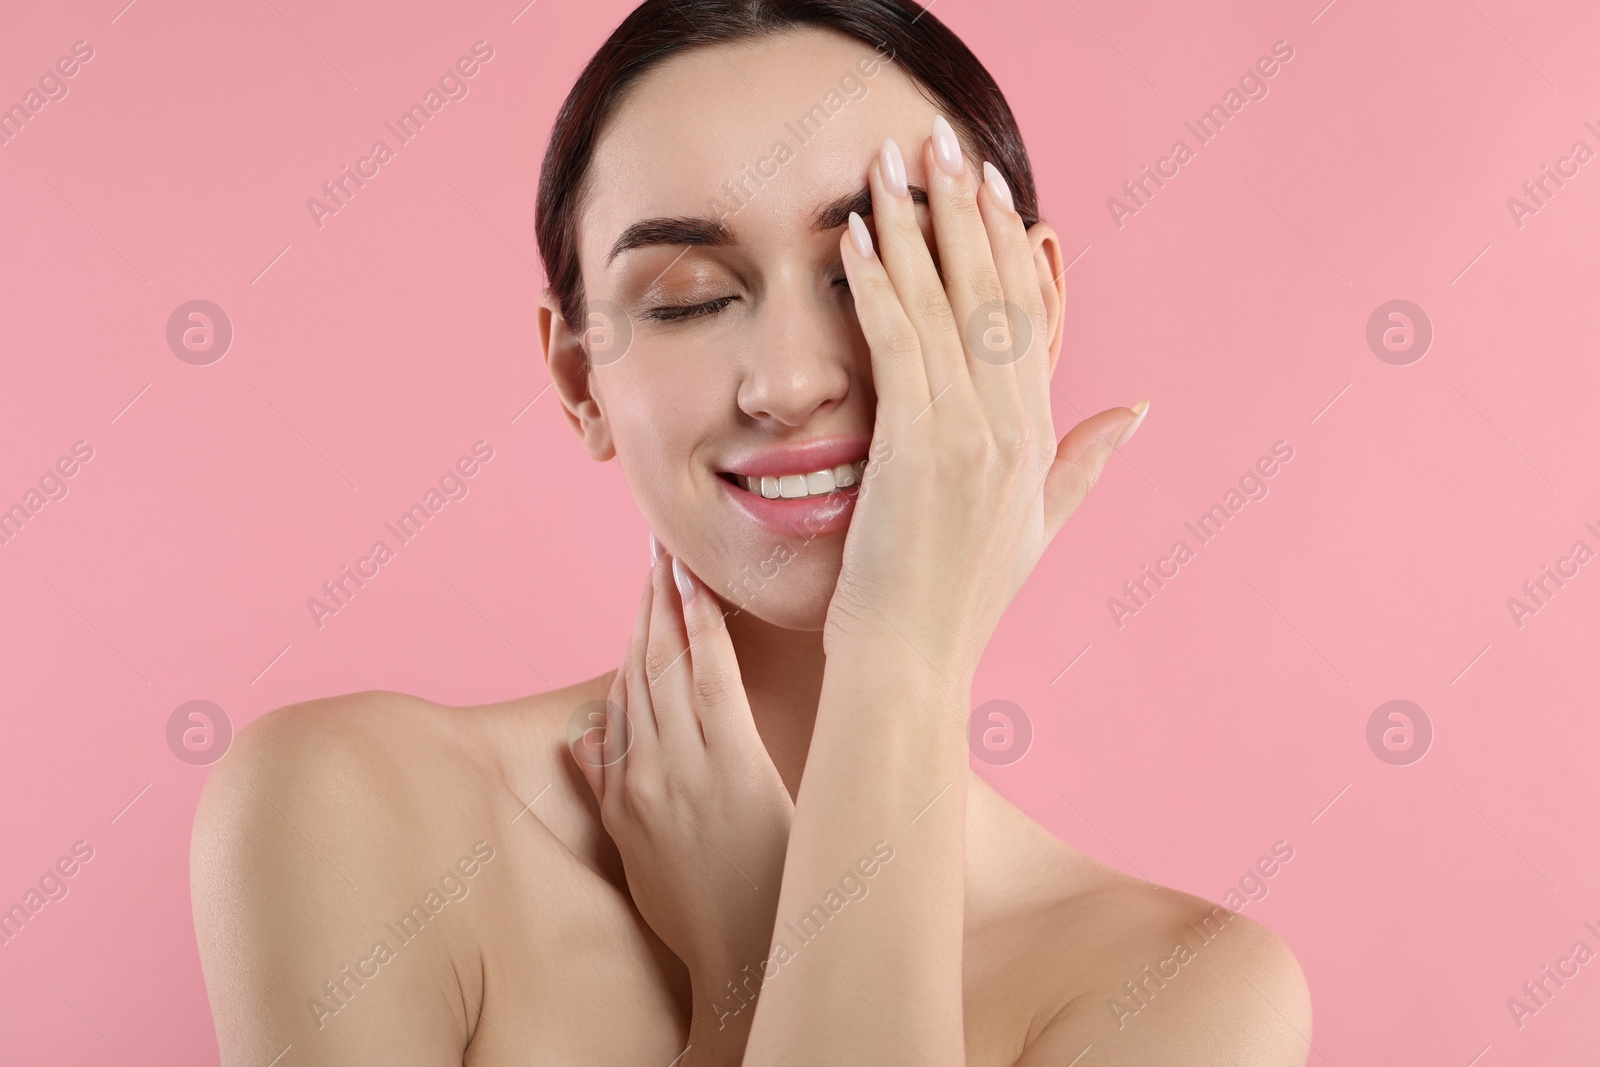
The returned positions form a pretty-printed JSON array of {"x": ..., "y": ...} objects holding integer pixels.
[{"x": 796, "y": 486}]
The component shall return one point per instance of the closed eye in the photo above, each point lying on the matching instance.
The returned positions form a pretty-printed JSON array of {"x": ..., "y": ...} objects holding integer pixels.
[{"x": 680, "y": 312}]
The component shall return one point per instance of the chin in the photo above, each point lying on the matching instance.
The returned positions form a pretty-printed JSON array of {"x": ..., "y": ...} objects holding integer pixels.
[
  {"x": 790, "y": 595},
  {"x": 785, "y": 615}
]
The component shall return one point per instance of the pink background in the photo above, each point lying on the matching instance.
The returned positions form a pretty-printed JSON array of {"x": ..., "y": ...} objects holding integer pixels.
[{"x": 1228, "y": 714}]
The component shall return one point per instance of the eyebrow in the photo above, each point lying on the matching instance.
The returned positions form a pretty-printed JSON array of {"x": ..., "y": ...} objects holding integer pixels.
[{"x": 701, "y": 230}]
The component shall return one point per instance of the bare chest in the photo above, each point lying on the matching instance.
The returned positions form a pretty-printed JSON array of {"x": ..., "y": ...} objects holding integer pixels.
[{"x": 573, "y": 974}]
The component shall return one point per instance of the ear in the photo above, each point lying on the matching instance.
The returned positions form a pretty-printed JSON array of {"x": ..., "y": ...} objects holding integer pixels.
[
  {"x": 568, "y": 364},
  {"x": 1047, "y": 260}
]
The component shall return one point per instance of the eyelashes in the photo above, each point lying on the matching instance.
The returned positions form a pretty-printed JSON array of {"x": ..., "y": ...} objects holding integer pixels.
[
  {"x": 682, "y": 312},
  {"x": 679, "y": 312}
]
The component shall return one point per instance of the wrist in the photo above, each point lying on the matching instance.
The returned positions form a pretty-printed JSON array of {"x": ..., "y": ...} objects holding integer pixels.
[
  {"x": 722, "y": 1009},
  {"x": 889, "y": 673},
  {"x": 897, "y": 660},
  {"x": 927, "y": 641}
]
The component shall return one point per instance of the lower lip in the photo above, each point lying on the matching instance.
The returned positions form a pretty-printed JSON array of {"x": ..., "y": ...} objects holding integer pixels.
[{"x": 804, "y": 517}]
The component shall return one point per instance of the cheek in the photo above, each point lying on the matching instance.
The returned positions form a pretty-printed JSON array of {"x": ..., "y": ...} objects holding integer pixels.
[
  {"x": 656, "y": 443},
  {"x": 654, "y": 457}
]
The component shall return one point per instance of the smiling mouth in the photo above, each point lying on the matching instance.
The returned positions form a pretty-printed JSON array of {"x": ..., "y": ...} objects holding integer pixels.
[{"x": 800, "y": 486}]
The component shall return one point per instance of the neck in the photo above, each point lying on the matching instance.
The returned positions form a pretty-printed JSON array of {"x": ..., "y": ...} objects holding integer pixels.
[{"x": 782, "y": 673}]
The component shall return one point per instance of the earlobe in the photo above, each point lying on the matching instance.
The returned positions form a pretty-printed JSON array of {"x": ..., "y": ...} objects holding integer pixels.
[{"x": 572, "y": 379}]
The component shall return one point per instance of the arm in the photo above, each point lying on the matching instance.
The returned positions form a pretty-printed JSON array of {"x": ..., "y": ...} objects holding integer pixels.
[{"x": 883, "y": 807}]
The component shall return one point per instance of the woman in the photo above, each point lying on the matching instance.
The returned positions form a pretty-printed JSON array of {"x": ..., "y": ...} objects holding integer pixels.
[{"x": 758, "y": 840}]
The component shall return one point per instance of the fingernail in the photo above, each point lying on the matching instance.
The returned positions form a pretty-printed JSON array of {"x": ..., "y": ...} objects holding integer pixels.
[
  {"x": 655, "y": 547},
  {"x": 680, "y": 574},
  {"x": 1140, "y": 409},
  {"x": 997, "y": 185},
  {"x": 860, "y": 236},
  {"x": 946, "y": 148},
  {"x": 894, "y": 168}
]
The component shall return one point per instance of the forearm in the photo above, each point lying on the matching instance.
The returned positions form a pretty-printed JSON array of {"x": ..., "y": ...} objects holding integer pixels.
[{"x": 867, "y": 968}]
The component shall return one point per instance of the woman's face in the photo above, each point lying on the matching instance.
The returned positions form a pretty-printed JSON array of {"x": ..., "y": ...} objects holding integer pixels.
[{"x": 715, "y": 353}]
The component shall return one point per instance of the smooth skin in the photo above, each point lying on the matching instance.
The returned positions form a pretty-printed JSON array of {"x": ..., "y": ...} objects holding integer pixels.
[{"x": 771, "y": 756}]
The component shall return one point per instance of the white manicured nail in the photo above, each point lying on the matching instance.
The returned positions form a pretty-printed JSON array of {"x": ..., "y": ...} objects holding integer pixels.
[
  {"x": 680, "y": 574},
  {"x": 1140, "y": 410},
  {"x": 947, "y": 148},
  {"x": 860, "y": 236},
  {"x": 997, "y": 185}
]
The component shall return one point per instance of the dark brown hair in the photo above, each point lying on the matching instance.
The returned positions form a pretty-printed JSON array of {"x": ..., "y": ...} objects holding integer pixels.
[{"x": 932, "y": 56}]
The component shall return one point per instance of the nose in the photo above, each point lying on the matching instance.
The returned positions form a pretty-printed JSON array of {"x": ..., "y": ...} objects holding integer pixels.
[{"x": 806, "y": 355}]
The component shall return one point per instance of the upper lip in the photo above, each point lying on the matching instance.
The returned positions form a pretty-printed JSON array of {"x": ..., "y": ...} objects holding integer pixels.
[{"x": 802, "y": 457}]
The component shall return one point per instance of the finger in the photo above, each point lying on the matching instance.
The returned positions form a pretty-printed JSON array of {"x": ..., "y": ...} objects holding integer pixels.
[
  {"x": 898, "y": 376},
  {"x": 612, "y": 764},
  {"x": 635, "y": 736},
  {"x": 1080, "y": 458},
  {"x": 911, "y": 269},
  {"x": 615, "y": 722},
  {"x": 971, "y": 279},
  {"x": 581, "y": 738},
  {"x": 718, "y": 691},
  {"x": 642, "y": 716},
  {"x": 668, "y": 667},
  {"x": 586, "y": 738},
  {"x": 1025, "y": 313}
]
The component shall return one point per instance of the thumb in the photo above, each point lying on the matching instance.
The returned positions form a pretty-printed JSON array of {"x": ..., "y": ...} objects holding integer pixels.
[
  {"x": 1081, "y": 456},
  {"x": 585, "y": 734}
]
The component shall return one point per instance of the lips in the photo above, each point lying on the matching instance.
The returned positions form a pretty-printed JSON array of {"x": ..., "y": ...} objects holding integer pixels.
[{"x": 807, "y": 517}]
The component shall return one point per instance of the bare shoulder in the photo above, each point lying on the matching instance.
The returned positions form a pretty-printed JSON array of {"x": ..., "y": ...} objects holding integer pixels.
[
  {"x": 334, "y": 765},
  {"x": 367, "y": 755},
  {"x": 1151, "y": 975},
  {"x": 1176, "y": 975},
  {"x": 326, "y": 824}
]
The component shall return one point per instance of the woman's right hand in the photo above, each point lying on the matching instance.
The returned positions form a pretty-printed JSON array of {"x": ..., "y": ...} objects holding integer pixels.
[
  {"x": 944, "y": 536},
  {"x": 689, "y": 794}
]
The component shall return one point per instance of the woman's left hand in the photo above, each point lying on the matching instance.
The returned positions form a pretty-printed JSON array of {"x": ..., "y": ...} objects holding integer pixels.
[
  {"x": 972, "y": 487},
  {"x": 689, "y": 794}
]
